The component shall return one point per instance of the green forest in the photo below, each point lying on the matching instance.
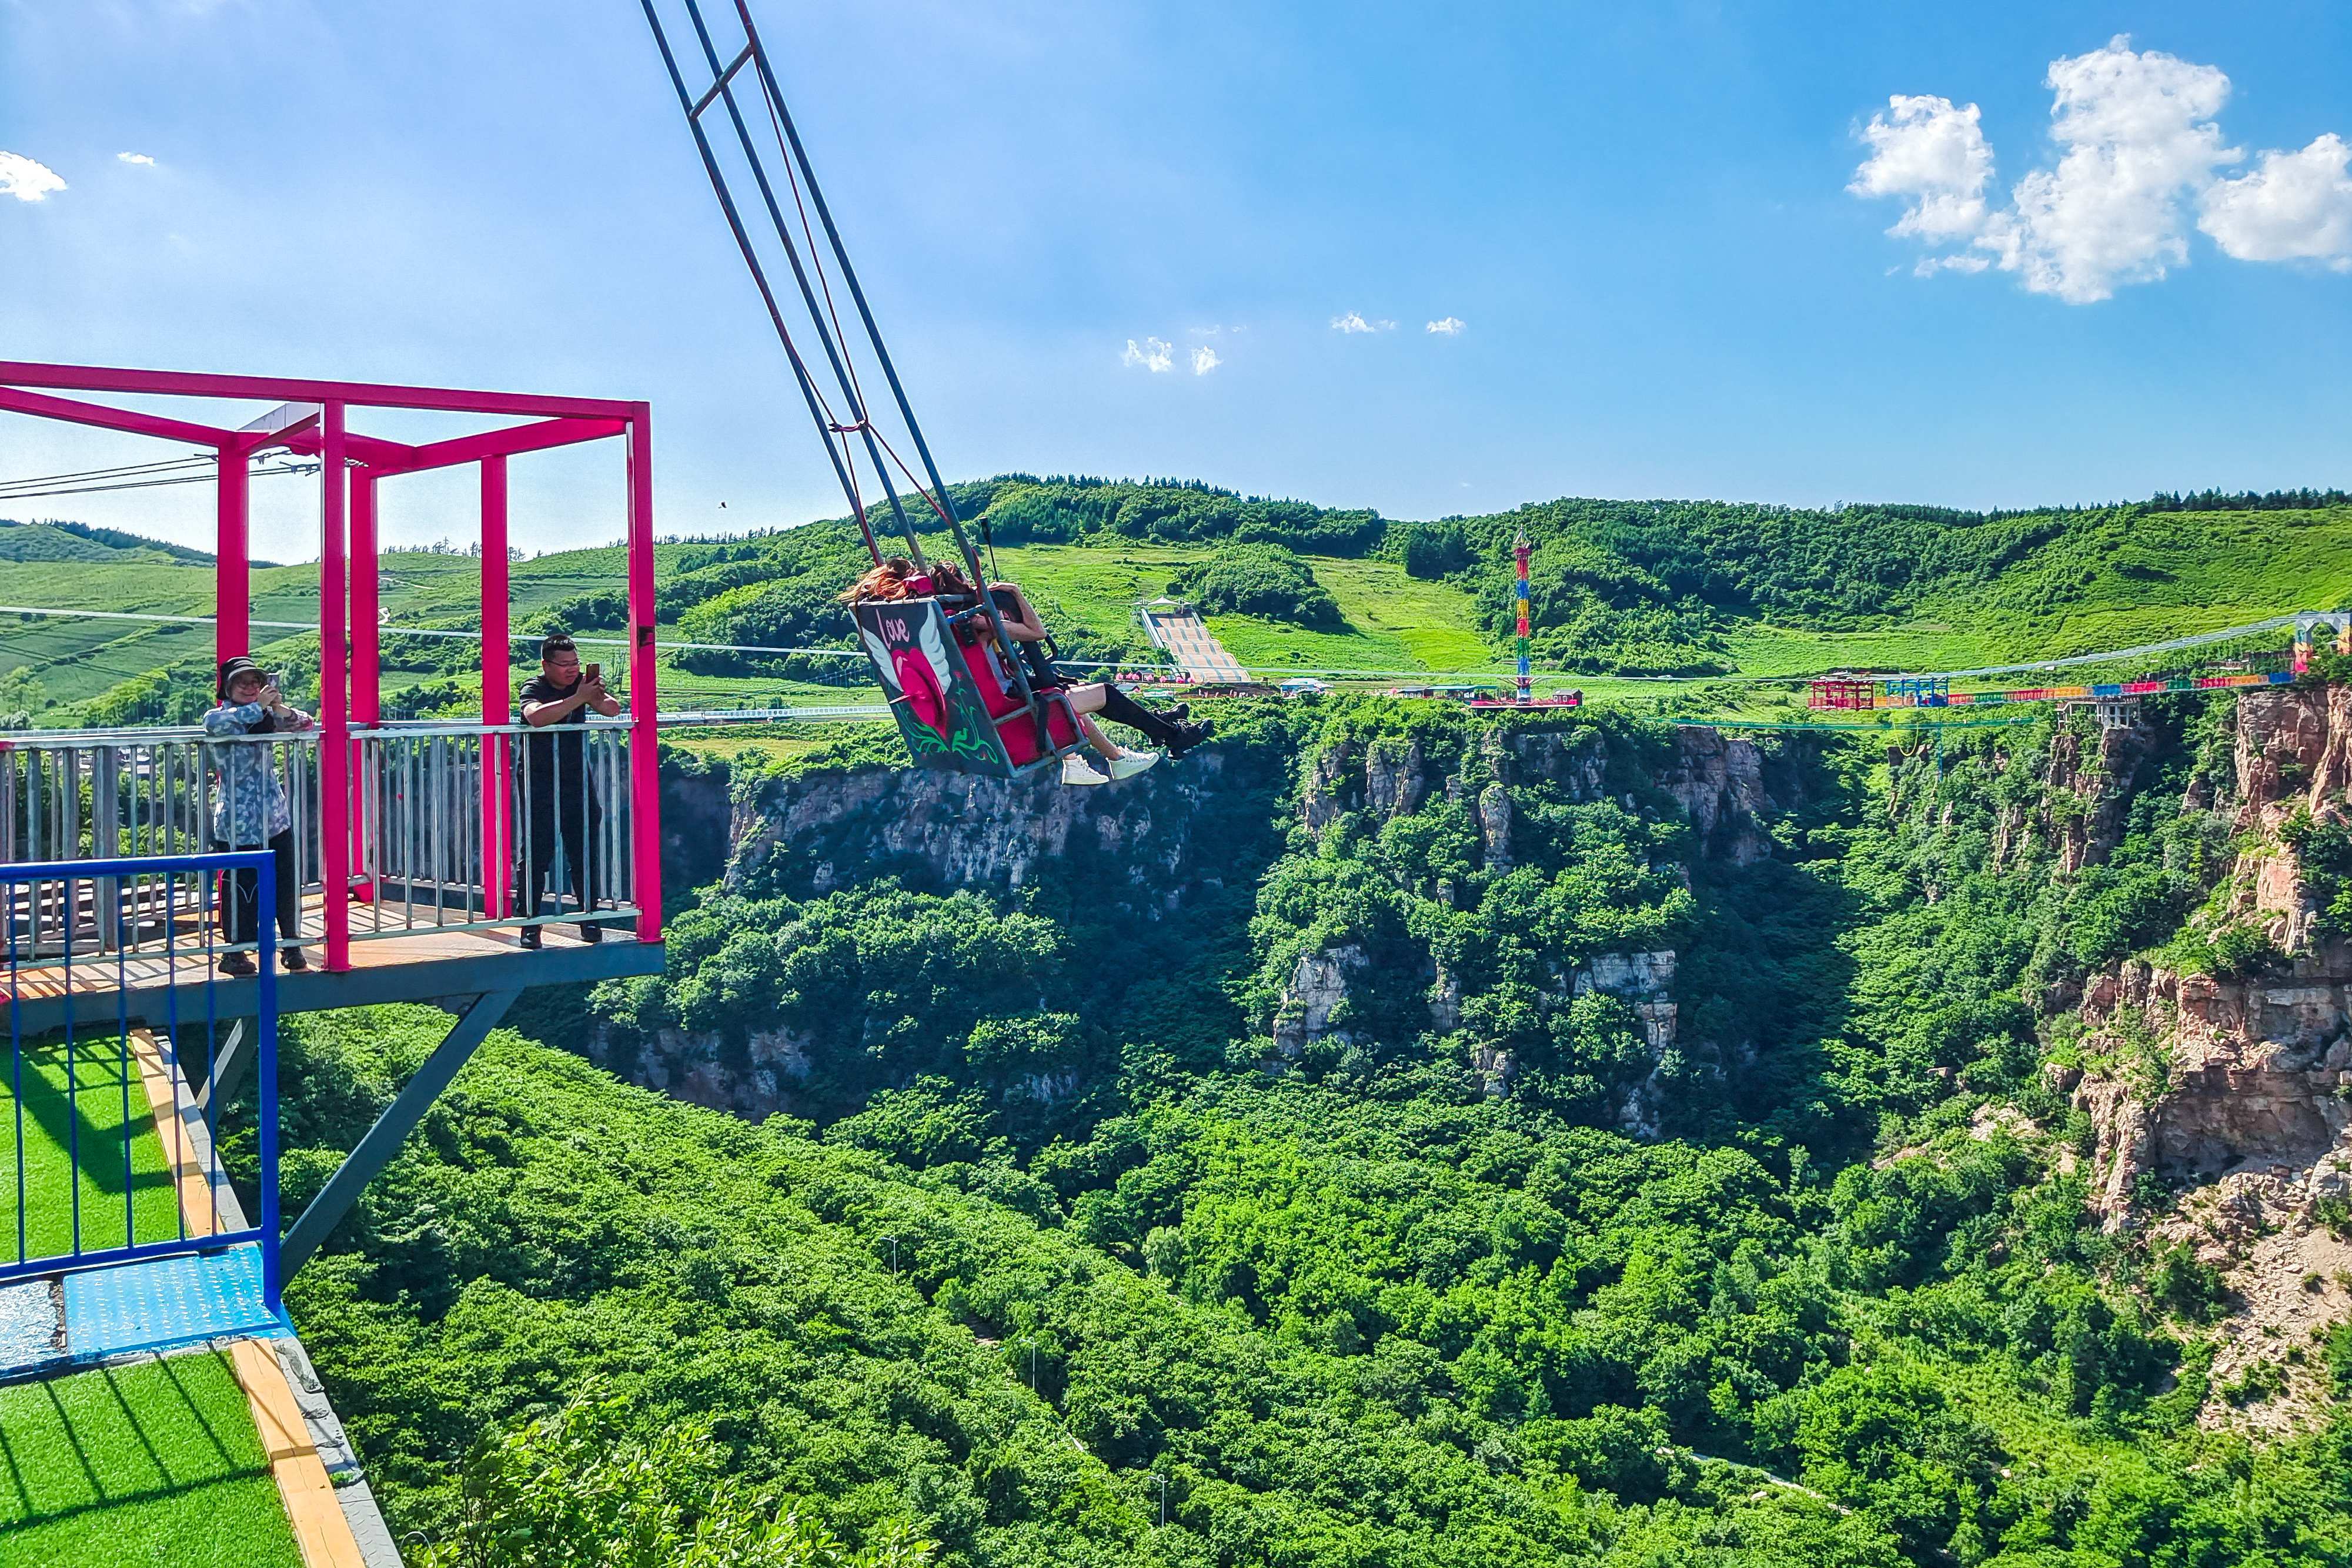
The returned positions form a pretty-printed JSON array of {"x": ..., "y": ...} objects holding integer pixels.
[
  {"x": 1077, "y": 1246},
  {"x": 1629, "y": 589}
]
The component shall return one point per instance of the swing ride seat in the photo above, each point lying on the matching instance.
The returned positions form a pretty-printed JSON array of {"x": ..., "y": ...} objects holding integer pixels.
[{"x": 960, "y": 708}]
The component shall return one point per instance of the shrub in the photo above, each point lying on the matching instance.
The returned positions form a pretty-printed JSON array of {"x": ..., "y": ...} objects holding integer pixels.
[{"x": 1260, "y": 580}]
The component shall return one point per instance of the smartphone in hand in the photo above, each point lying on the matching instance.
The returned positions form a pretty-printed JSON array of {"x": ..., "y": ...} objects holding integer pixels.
[{"x": 595, "y": 675}]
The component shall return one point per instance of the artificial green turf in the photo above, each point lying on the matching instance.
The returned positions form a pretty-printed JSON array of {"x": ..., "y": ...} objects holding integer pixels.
[
  {"x": 55, "y": 1127},
  {"x": 156, "y": 1463}
]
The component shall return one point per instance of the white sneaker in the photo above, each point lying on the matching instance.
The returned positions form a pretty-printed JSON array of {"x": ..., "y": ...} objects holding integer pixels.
[
  {"x": 1081, "y": 770},
  {"x": 1132, "y": 763}
]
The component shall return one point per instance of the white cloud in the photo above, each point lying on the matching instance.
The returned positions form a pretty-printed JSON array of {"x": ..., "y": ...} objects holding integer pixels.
[
  {"x": 136, "y": 158},
  {"x": 1204, "y": 359},
  {"x": 1934, "y": 156},
  {"x": 2295, "y": 206},
  {"x": 1353, "y": 322},
  {"x": 1155, "y": 355},
  {"x": 2140, "y": 142},
  {"x": 26, "y": 180},
  {"x": 2140, "y": 155},
  {"x": 1966, "y": 261},
  {"x": 1451, "y": 326}
]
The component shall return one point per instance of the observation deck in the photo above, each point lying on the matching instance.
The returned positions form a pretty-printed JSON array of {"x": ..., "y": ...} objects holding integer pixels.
[
  {"x": 145, "y": 959},
  {"x": 411, "y": 842}
]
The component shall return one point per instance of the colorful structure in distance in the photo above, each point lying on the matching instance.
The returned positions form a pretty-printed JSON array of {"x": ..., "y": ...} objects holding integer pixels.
[
  {"x": 1846, "y": 690},
  {"x": 1519, "y": 554}
]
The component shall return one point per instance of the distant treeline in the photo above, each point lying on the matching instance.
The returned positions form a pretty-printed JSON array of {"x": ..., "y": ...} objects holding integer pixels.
[{"x": 42, "y": 544}]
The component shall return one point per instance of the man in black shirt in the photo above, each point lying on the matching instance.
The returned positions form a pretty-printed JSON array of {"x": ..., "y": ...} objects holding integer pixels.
[{"x": 558, "y": 796}]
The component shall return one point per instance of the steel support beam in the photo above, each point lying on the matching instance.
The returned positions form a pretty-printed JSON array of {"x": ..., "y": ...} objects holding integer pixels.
[
  {"x": 230, "y": 1063},
  {"x": 391, "y": 1129}
]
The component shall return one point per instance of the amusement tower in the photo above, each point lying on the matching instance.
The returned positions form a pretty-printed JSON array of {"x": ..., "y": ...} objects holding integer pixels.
[{"x": 1519, "y": 554}]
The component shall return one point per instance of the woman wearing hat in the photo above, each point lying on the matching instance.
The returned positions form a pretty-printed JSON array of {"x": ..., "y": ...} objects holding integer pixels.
[{"x": 249, "y": 810}]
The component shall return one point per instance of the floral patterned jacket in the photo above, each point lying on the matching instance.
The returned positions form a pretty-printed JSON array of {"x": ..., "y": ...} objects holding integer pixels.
[{"x": 248, "y": 802}]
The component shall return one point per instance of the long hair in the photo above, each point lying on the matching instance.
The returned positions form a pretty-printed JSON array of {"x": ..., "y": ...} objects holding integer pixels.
[
  {"x": 886, "y": 582},
  {"x": 948, "y": 579}
]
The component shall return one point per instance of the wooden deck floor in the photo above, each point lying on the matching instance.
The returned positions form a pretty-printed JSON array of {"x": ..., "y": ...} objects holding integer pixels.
[{"x": 421, "y": 964}]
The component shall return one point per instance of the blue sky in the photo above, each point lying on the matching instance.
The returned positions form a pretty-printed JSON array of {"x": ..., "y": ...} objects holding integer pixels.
[{"x": 1641, "y": 215}]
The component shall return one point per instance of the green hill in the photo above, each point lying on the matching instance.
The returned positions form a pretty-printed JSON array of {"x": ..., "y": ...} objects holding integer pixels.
[{"x": 1620, "y": 589}]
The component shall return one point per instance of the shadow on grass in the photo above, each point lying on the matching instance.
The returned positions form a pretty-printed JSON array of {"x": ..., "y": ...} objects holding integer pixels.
[
  {"x": 91, "y": 1175},
  {"x": 135, "y": 1435}
]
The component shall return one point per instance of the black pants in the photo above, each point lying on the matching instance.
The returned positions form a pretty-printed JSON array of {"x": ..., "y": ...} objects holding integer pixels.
[
  {"x": 240, "y": 910},
  {"x": 1157, "y": 727},
  {"x": 569, "y": 816}
]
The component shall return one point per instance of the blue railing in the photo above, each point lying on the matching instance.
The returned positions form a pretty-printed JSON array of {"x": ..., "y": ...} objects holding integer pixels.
[{"x": 109, "y": 1107}]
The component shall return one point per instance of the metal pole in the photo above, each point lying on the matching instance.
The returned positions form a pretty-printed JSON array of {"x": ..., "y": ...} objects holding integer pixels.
[
  {"x": 498, "y": 663},
  {"x": 645, "y": 749},
  {"x": 366, "y": 646},
  {"x": 232, "y": 596},
  {"x": 335, "y": 722},
  {"x": 759, "y": 277},
  {"x": 273, "y": 1280}
]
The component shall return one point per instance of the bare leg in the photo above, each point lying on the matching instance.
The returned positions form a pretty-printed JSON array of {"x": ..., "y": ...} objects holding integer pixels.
[
  {"x": 1088, "y": 699},
  {"x": 1105, "y": 748}
]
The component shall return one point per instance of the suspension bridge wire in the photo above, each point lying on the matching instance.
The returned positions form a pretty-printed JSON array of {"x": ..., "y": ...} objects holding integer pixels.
[
  {"x": 205, "y": 478},
  {"x": 118, "y": 471}
]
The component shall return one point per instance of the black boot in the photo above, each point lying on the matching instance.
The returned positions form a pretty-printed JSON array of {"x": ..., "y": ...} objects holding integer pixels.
[
  {"x": 1191, "y": 735},
  {"x": 1156, "y": 727}
]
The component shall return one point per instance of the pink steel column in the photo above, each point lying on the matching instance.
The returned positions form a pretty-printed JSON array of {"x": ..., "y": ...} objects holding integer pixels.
[
  {"x": 498, "y": 667},
  {"x": 232, "y": 551},
  {"x": 366, "y": 643},
  {"x": 334, "y": 742},
  {"x": 645, "y": 742}
]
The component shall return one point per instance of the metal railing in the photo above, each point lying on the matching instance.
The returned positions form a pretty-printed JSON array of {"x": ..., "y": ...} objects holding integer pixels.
[
  {"x": 143, "y": 797},
  {"x": 102, "y": 1113},
  {"x": 450, "y": 826},
  {"x": 457, "y": 823}
]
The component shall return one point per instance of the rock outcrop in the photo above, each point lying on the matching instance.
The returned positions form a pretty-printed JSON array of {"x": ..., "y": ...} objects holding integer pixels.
[
  {"x": 1724, "y": 785},
  {"x": 1145, "y": 844},
  {"x": 1318, "y": 988},
  {"x": 2247, "y": 1072}
]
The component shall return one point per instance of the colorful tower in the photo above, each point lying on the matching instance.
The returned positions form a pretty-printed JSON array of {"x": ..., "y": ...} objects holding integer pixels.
[{"x": 1519, "y": 553}]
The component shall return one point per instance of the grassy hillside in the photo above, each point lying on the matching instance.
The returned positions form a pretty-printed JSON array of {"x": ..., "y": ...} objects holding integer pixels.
[{"x": 1621, "y": 589}]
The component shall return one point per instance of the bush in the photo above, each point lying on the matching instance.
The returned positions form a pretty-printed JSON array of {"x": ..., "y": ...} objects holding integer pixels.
[
  {"x": 1260, "y": 580},
  {"x": 1430, "y": 550}
]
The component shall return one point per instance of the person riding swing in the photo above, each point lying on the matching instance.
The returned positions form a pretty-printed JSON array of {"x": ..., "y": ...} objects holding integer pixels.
[{"x": 1008, "y": 609}]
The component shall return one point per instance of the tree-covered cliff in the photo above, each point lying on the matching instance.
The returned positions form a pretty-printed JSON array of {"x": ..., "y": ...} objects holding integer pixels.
[{"x": 1405, "y": 1136}]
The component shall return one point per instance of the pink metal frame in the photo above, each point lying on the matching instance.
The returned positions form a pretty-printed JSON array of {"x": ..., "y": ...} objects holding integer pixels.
[{"x": 351, "y": 465}]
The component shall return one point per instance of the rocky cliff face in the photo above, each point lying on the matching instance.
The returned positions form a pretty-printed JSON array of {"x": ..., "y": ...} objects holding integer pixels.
[
  {"x": 1724, "y": 786},
  {"x": 1143, "y": 844},
  {"x": 2249, "y": 1071},
  {"x": 2254, "y": 1071},
  {"x": 2240, "y": 1085}
]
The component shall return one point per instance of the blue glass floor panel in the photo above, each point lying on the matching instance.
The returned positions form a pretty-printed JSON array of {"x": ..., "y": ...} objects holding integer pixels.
[{"x": 166, "y": 1302}]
